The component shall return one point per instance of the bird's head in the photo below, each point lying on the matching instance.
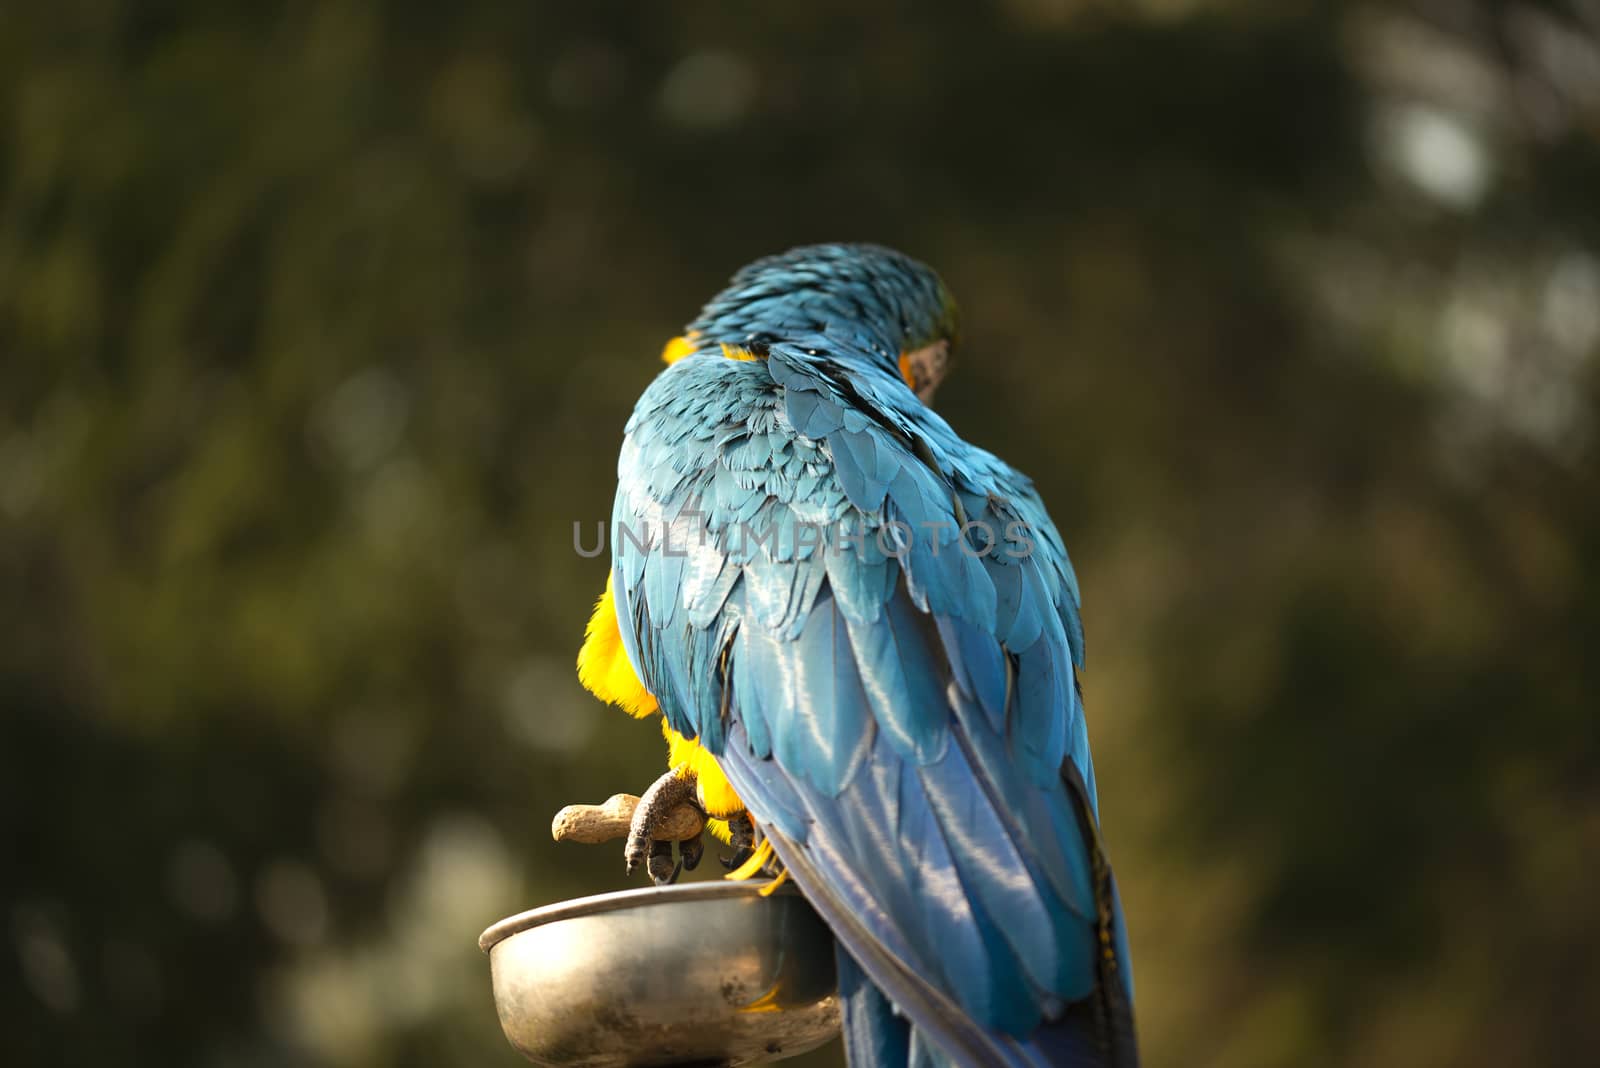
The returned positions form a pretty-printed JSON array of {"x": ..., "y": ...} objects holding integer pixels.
[{"x": 876, "y": 298}]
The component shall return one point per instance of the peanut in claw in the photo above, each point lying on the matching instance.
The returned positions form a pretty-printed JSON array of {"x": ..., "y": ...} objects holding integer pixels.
[{"x": 593, "y": 824}]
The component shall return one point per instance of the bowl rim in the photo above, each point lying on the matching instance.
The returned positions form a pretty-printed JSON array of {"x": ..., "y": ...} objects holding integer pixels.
[{"x": 596, "y": 904}]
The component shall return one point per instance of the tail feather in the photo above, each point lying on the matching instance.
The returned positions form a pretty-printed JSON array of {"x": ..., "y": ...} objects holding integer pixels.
[{"x": 876, "y": 1035}]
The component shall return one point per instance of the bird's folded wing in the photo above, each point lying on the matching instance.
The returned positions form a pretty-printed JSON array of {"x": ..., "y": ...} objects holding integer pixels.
[{"x": 896, "y": 709}]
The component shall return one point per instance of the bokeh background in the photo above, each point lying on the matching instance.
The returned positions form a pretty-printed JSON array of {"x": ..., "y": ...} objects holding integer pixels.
[{"x": 319, "y": 323}]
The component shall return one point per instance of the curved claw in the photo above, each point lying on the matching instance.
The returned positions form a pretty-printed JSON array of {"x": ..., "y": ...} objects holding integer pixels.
[
  {"x": 742, "y": 836},
  {"x": 661, "y": 868},
  {"x": 690, "y": 852}
]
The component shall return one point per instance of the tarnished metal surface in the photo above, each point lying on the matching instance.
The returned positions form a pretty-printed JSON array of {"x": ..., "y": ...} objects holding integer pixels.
[{"x": 704, "y": 973}]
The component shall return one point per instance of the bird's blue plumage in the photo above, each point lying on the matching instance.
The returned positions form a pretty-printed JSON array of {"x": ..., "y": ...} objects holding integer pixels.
[{"x": 874, "y": 626}]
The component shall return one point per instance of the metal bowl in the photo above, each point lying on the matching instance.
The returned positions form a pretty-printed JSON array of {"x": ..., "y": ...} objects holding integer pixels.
[{"x": 698, "y": 974}]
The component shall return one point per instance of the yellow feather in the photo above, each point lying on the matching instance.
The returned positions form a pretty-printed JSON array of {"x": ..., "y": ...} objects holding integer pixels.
[
  {"x": 603, "y": 665},
  {"x": 734, "y": 352},
  {"x": 689, "y": 344},
  {"x": 679, "y": 347},
  {"x": 687, "y": 755}
]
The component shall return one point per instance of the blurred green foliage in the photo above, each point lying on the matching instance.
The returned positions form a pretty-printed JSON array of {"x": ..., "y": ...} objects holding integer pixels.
[{"x": 319, "y": 324}]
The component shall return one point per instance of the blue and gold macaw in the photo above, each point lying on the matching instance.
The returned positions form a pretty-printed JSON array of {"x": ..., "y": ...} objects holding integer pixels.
[{"x": 862, "y": 636}]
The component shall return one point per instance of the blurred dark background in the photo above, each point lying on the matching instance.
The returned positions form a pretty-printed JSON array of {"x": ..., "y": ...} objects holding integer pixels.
[{"x": 319, "y": 324}]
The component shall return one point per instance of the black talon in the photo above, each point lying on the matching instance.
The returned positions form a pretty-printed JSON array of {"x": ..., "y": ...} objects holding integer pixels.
[
  {"x": 690, "y": 852},
  {"x": 742, "y": 837},
  {"x": 661, "y": 868}
]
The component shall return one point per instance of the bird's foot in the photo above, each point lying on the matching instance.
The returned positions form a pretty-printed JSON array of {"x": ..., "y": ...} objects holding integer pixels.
[{"x": 665, "y": 794}]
